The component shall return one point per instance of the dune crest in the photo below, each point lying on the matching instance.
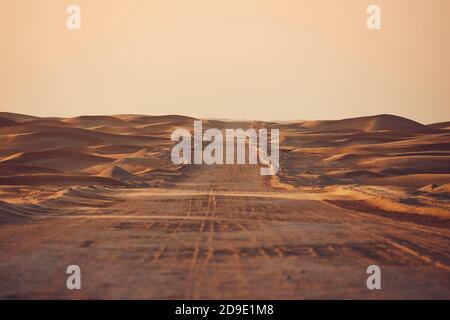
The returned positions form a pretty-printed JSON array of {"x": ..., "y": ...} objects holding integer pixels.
[
  {"x": 120, "y": 174},
  {"x": 367, "y": 124}
]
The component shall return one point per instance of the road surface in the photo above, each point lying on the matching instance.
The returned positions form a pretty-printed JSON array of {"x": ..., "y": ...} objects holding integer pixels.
[{"x": 220, "y": 232}]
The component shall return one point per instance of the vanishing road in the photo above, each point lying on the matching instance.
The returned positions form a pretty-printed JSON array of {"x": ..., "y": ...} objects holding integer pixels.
[{"x": 218, "y": 232}]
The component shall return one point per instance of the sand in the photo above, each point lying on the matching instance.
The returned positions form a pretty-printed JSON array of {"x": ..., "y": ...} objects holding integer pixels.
[{"x": 102, "y": 192}]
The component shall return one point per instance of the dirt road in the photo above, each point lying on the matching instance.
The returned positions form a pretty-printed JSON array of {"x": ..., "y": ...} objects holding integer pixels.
[{"x": 220, "y": 232}]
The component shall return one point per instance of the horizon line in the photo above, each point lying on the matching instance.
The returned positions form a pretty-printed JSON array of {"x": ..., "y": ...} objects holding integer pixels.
[{"x": 214, "y": 118}]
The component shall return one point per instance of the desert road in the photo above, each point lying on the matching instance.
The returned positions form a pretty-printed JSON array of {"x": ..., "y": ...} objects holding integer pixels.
[{"x": 218, "y": 232}]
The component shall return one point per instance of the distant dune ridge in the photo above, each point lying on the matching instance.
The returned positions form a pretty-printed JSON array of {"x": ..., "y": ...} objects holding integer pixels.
[
  {"x": 371, "y": 123},
  {"x": 124, "y": 149},
  {"x": 441, "y": 125}
]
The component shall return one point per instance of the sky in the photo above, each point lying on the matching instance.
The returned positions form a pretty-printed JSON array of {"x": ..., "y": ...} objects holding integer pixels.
[{"x": 235, "y": 59}]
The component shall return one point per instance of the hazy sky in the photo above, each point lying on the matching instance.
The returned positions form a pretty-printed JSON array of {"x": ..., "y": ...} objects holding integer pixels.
[{"x": 241, "y": 59}]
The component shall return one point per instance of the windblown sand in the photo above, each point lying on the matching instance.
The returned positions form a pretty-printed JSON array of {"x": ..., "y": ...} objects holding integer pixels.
[{"x": 101, "y": 192}]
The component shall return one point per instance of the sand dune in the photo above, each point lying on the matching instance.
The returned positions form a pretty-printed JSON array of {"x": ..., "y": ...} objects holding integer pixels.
[
  {"x": 351, "y": 157},
  {"x": 370, "y": 123},
  {"x": 355, "y": 174},
  {"x": 426, "y": 164},
  {"x": 51, "y": 140},
  {"x": 7, "y": 122},
  {"x": 145, "y": 120},
  {"x": 93, "y": 121},
  {"x": 17, "y": 116},
  {"x": 380, "y": 150},
  {"x": 441, "y": 125},
  {"x": 120, "y": 174},
  {"x": 413, "y": 181},
  {"x": 59, "y": 180},
  {"x": 104, "y": 150},
  {"x": 49, "y": 122},
  {"x": 437, "y": 188},
  {"x": 118, "y": 149},
  {"x": 62, "y": 159},
  {"x": 12, "y": 169},
  {"x": 119, "y": 130}
]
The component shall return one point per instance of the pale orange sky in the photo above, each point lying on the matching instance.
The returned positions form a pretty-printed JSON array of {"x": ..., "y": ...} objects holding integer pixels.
[{"x": 240, "y": 59}]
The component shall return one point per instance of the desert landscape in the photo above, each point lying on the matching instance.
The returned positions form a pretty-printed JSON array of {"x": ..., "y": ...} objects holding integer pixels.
[{"x": 102, "y": 192}]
